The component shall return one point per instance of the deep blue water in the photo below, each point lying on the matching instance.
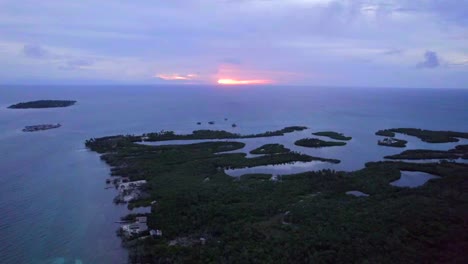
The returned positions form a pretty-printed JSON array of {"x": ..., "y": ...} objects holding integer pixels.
[{"x": 54, "y": 208}]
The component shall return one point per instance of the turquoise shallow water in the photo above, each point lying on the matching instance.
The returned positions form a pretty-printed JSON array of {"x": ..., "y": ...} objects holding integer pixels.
[{"x": 54, "y": 208}]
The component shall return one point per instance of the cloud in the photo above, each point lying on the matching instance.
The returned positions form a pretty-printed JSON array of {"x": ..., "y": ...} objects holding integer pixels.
[
  {"x": 393, "y": 52},
  {"x": 79, "y": 63},
  {"x": 461, "y": 63},
  {"x": 64, "y": 59},
  {"x": 177, "y": 77},
  {"x": 231, "y": 61},
  {"x": 34, "y": 51},
  {"x": 449, "y": 11},
  {"x": 311, "y": 41},
  {"x": 431, "y": 60},
  {"x": 76, "y": 64}
]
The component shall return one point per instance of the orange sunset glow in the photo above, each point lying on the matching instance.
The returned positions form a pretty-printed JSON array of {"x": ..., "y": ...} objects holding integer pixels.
[
  {"x": 241, "y": 82},
  {"x": 230, "y": 74}
]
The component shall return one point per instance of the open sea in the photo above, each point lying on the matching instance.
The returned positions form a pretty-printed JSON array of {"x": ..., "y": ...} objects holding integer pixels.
[{"x": 54, "y": 207}]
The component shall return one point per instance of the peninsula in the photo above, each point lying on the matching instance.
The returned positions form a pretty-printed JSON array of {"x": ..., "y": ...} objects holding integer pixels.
[
  {"x": 43, "y": 104},
  {"x": 429, "y": 136},
  {"x": 460, "y": 151}
]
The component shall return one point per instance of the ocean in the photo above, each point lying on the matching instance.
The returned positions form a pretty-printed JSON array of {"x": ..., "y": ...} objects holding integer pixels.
[{"x": 53, "y": 202}]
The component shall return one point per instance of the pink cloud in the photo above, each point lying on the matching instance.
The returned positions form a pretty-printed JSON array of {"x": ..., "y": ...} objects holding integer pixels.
[{"x": 177, "y": 77}]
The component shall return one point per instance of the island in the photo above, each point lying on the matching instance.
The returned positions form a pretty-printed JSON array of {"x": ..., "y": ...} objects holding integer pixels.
[
  {"x": 270, "y": 149},
  {"x": 332, "y": 135},
  {"x": 43, "y": 104},
  {"x": 392, "y": 142},
  {"x": 460, "y": 151},
  {"x": 429, "y": 136},
  {"x": 317, "y": 143},
  {"x": 200, "y": 214},
  {"x": 214, "y": 134},
  {"x": 40, "y": 127}
]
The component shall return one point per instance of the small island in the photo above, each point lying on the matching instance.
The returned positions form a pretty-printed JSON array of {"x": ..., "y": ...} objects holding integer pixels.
[
  {"x": 43, "y": 104},
  {"x": 392, "y": 142},
  {"x": 332, "y": 135},
  {"x": 40, "y": 127},
  {"x": 317, "y": 143}
]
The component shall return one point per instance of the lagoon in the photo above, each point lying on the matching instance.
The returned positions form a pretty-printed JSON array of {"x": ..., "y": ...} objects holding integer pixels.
[{"x": 413, "y": 179}]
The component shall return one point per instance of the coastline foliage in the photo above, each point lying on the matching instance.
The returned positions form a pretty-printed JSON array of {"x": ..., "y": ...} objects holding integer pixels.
[
  {"x": 218, "y": 134},
  {"x": 332, "y": 135},
  {"x": 385, "y": 133},
  {"x": 430, "y": 136},
  {"x": 392, "y": 142},
  {"x": 460, "y": 151},
  {"x": 317, "y": 143},
  {"x": 270, "y": 149}
]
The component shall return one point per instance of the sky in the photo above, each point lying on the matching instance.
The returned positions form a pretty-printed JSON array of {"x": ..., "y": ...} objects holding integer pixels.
[{"x": 359, "y": 43}]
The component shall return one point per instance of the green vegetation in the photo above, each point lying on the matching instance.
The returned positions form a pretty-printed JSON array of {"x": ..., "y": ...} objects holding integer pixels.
[
  {"x": 317, "y": 143},
  {"x": 332, "y": 135},
  {"x": 416, "y": 154},
  {"x": 304, "y": 218},
  {"x": 385, "y": 133},
  {"x": 429, "y": 136},
  {"x": 257, "y": 176},
  {"x": 197, "y": 134},
  {"x": 460, "y": 151},
  {"x": 270, "y": 149},
  {"x": 43, "y": 104},
  {"x": 217, "y": 134},
  {"x": 392, "y": 142}
]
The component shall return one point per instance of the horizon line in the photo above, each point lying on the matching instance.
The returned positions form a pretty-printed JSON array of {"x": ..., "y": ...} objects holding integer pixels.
[{"x": 237, "y": 86}]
